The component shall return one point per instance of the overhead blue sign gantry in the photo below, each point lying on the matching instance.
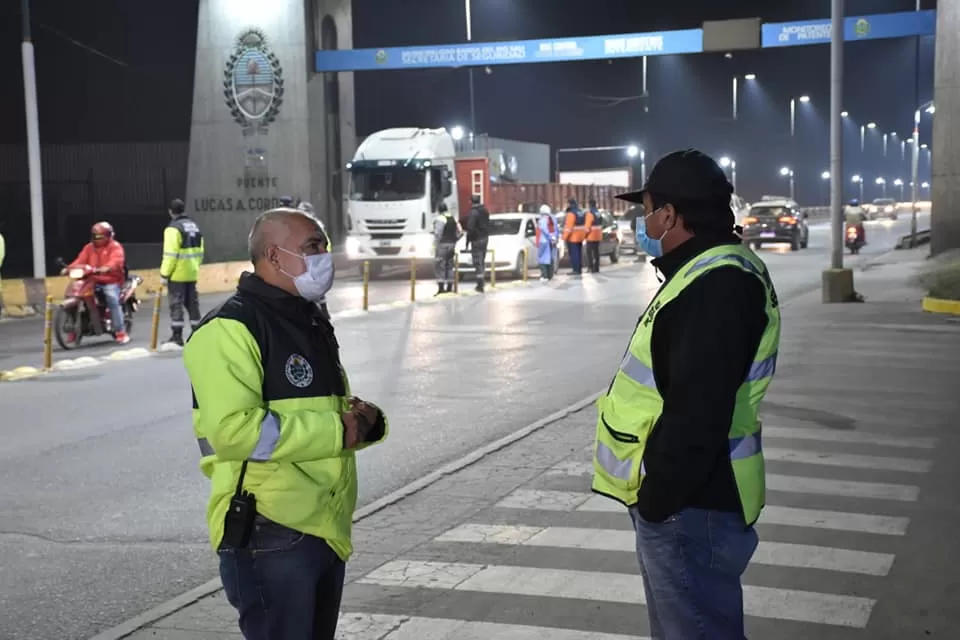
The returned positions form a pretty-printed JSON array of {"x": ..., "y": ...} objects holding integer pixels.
[{"x": 630, "y": 45}]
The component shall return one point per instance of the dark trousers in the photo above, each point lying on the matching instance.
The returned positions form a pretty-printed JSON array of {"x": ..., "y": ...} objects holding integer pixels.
[
  {"x": 575, "y": 251},
  {"x": 478, "y": 251},
  {"x": 546, "y": 271},
  {"x": 180, "y": 295},
  {"x": 593, "y": 256},
  {"x": 286, "y": 585},
  {"x": 444, "y": 262}
]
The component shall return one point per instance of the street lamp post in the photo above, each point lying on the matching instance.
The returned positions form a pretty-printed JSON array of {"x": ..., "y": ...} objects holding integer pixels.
[
  {"x": 473, "y": 102},
  {"x": 736, "y": 92},
  {"x": 727, "y": 162},
  {"x": 787, "y": 172},
  {"x": 33, "y": 146},
  {"x": 858, "y": 180},
  {"x": 883, "y": 187},
  {"x": 793, "y": 113},
  {"x": 899, "y": 183}
]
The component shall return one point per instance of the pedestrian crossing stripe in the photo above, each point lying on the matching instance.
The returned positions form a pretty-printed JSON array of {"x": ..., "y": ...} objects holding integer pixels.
[
  {"x": 621, "y": 588},
  {"x": 851, "y": 461},
  {"x": 375, "y": 626},
  {"x": 547, "y": 500},
  {"x": 781, "y": 554},
  {"x": 795, "y": 484}
]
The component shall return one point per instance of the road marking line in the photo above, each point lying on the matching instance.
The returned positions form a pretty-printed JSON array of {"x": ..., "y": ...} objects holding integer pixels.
[
  {"x": 762, "y": 602},
  {"x": 375, "y": 626},
  {"x": 883, "y": 463},
  {"x": 858, "y": 437},
  {"x": 792, "y": 484},
  {"x": 778, "y": 554}
]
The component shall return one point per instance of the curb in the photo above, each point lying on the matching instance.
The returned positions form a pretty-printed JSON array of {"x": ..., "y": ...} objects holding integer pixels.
[
  {"x": 209, "y": 588},
  {"x": 939, "y": 305}
]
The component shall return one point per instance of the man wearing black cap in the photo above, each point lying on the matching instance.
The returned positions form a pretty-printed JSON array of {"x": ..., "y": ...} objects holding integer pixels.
[
  {"x": 180, "y": 269},
  {"x": 678, "y": 436}
]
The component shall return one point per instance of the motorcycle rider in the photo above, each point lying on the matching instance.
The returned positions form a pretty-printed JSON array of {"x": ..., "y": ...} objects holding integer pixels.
[
  {"x": 108, "y": 260},
  {"x": 855, "y": 216},
  {"x": 478, "y": 234}
]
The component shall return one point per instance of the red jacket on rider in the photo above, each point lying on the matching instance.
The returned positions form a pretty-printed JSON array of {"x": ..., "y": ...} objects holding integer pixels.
[{"x": 110, "y": 255}]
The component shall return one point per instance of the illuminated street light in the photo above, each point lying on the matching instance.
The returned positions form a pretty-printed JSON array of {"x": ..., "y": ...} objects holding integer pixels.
[
  {"x": 804, "y": 99},
  {"x": 825, "y": 175},
  {"x": 931, "y": 110},
  {"x": 871, "y": 125},
  {"x": 787, "y": 172},
  {"x": 457, "y": 133},
  {"x": 844, "y": 114},
  {"x": 881, "y": 181},
  {"x": 633, "y": 151},
  {"x": 923, "y": 146},
  {"x": 883, "y": 186},
  {"x": 899, "y": 183},
  {"x": 727, "y": 163},
  {"x": 793, "y": 112},
  {"x": 856, "y": 179},
  {"x": 753, "y": 76}
]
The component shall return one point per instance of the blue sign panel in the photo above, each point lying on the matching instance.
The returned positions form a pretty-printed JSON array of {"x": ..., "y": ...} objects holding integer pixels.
[
  {"x": 875, "y": 27},
  {"x": 630, "y": 45}
]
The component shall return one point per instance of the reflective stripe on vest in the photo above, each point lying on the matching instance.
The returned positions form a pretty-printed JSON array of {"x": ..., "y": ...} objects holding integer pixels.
[{"x": 632, "y": 405}]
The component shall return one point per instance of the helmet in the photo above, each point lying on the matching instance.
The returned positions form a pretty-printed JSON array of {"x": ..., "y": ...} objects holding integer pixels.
[
  {"x": 545, "y": 209},
  {"x": 101, "y": 233},
  {"x": 855, "y": 202},
  {"x": 306, "y": 207},
  {"x": 286, "y": 201}
]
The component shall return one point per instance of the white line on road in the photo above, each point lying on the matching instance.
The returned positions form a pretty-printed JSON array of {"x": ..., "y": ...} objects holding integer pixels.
[
  {"x": 792, "y": 484},
  {"x": 376, "y": 626},
  {"x": 778, "y": 554},
  {"x": 883, "y": 463},
  {"x": 857, "y": 437},
  {"x": 762, "y": 602}
]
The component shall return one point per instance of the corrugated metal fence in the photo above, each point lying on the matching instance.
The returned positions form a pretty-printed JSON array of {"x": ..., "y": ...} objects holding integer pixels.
[{"x": 129, "y": 184}]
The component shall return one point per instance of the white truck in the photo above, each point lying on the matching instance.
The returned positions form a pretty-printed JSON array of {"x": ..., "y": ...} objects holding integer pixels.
[{"x": 398, "y": 179}]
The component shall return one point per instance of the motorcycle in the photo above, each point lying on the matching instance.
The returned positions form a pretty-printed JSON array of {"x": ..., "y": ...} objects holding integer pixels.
[
  {"x": 84, "y": 311},
  {"x": 854, "y": 240}
]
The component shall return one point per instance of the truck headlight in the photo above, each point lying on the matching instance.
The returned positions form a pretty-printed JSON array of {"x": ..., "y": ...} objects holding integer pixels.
[{"x": 352, "y": 247}]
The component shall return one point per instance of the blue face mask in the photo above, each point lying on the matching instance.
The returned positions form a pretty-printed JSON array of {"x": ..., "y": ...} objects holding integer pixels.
[{"x": 650, "y": 246}]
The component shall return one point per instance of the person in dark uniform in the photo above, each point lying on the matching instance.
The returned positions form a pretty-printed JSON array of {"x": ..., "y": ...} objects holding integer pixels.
[
  {"x": 478, "y": 234},
  {"x": 446, "y": 232}
]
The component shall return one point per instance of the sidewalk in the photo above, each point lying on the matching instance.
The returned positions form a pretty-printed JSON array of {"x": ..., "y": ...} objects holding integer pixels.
[{"x": 858, "y": 536}]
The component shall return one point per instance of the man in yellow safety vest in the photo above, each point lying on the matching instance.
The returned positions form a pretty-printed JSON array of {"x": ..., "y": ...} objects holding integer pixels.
[{"x": 678, "y": 435}]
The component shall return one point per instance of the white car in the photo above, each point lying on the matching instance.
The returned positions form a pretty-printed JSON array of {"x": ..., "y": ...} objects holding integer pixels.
[{"x": 511, "y": 235}]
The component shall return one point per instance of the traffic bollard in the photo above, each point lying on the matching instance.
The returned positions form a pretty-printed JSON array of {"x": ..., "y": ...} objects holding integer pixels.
[
  {"x": 413, "y": 279},
  {"x": 526, "y": 263},
  {"x": 456, "y": 273},
  {"x": 366, "y": 284},
  {"x": 48, "y": 335},
  {"x": 493, "y": 268},
  {"x": 155, "y": 320}
]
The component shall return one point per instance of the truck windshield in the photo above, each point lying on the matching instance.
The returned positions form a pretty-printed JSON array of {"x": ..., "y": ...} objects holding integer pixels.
[
  {"x": 504, "y": 226},
  {"x": 387, "y": 184}
]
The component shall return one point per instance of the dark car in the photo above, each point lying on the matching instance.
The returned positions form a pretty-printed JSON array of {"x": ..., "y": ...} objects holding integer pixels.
[
  {"x": 776, "y": 221},
  {"x": 609, "y": 245}
]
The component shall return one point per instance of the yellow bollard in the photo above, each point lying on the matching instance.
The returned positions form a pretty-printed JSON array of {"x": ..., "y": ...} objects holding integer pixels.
[
  {"x": 48, "y": 335},
  {"x": 413, "y": 279},
  {"x": 155, "y": 320},
  {"x": 526, "y": 263},
  {"x": 366, "y": 284},
  {"x": 493, "y": 268},
  {"x": 456, "y": 272}
]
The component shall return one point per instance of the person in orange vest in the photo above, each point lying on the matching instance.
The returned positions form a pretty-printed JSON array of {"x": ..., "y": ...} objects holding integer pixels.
[
  {"x": 574, "y": 233},
  {"x": 594, "y": 230}
]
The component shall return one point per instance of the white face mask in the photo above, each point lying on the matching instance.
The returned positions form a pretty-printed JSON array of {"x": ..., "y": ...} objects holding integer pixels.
[{"x": 317, "y": 279}]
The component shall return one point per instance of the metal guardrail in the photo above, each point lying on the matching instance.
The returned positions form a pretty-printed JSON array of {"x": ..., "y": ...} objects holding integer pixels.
[{"x": 923, "y": 237}]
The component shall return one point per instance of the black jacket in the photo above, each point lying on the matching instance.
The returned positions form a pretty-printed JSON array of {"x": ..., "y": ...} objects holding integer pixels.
[
  {"x": 703, "y": 345},
  {"x": 478, "y": 223}
]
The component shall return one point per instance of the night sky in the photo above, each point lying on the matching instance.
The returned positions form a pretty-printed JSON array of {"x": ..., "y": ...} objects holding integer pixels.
[{"x": 116, "y": 70}]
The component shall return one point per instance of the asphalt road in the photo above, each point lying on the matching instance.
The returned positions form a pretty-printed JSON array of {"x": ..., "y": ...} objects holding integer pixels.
[{"x": 104, "y": 505}]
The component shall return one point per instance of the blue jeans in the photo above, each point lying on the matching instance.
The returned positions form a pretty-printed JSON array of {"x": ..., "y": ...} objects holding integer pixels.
[
  {"x": 286, "y": 585},
  {"x": 111, "y": 293},
  {"x": 691, "y": 566}
]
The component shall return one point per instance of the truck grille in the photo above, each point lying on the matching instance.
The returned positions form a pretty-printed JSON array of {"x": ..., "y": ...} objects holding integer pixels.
[
  {"x": 387, "y": 251},
  {"x": 385, "y": 236}
]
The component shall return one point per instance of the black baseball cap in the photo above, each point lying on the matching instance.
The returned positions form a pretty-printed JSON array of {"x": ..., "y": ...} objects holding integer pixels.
[{"x": 689, "y": 174}]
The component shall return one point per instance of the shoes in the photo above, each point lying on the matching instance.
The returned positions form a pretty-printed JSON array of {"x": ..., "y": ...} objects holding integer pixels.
[{"x": 122, "y": 337}]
